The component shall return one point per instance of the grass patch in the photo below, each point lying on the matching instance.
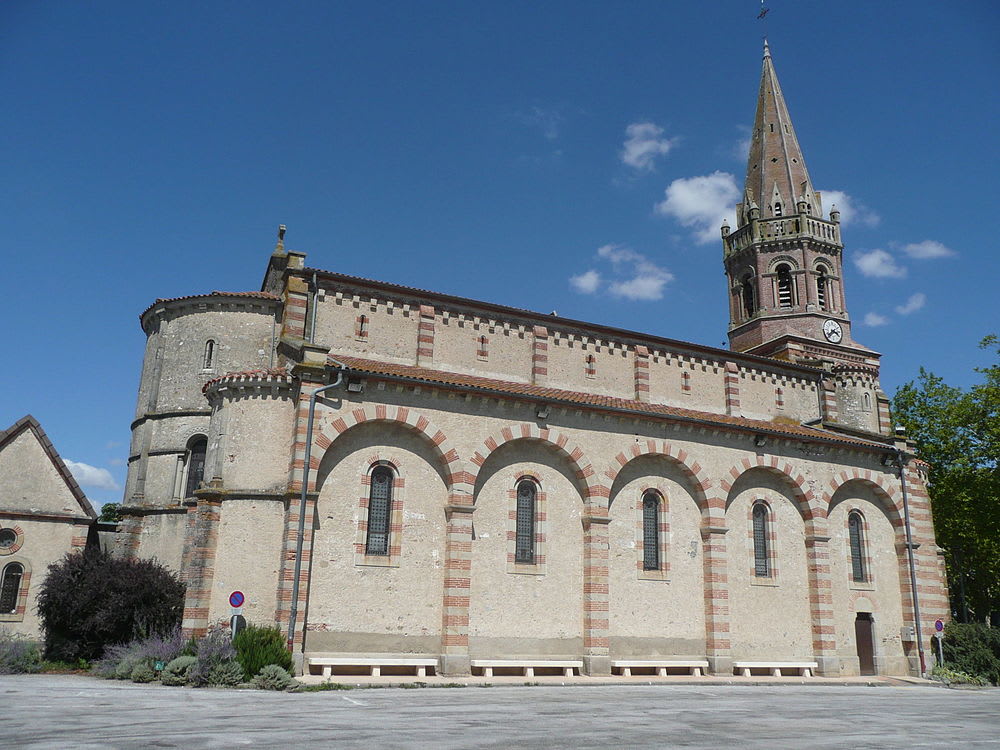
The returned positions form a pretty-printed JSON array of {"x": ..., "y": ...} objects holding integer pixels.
[{"x": 324, "y": 686}]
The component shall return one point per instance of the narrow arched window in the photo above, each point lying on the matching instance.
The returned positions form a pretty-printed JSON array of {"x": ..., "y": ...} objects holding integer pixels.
[
  {"x": 777, "y": 209},
  {"x": 195, "y": 466},
  {"x": 855, "y": 527},
  {"x": 785, "y": 297},
  {"x": 209, "y": 360},
  {"x": 746, "y": 292},
  {"x": 866, "y": 400},
  {"x": 822, "y": 283},
  {"x": 379, "y": 511},
  {"x": 524, "y": 534},
  {"x": 10, "y": 588},
  {"x": 650, "y": 531},
  {"x": 761, "y": 553}
]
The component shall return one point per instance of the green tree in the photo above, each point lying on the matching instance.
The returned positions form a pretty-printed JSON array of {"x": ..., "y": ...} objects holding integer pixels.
[
  {"x": 111, "y": 512},
  {"x": 958, "y": 432}
]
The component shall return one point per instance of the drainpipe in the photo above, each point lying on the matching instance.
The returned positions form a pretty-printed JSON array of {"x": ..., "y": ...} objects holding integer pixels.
[
  {"x": 312, "y": 311},
  {"x": 302, "y": 501},
  {"x": 901, "y": 465}
]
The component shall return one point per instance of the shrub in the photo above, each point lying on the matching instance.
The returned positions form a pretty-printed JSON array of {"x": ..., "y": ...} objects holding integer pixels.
[
  {"x": 90, "y": 600},
  {"x": 18, "y": 655},
  {"x": 121, "y": 659},
  {"x": 177, "y": 671},
  {"x": 273, "y": 677},
  {"x": 213, "y": 649},
  {"x": 973, "y": 648},
  {"x": 228, "y": 673},
  {"x": 954, "y": 677},
  {"x": 143, "y": 672},
  {"x": 260, "y": 645}
]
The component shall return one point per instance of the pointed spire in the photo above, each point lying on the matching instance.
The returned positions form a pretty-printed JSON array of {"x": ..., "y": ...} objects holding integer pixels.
[{"x": 777, "y": 177}]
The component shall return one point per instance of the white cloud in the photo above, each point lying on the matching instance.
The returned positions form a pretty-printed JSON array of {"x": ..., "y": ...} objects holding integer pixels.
[
  {"x": 643, "y": 144},
  {"x": 587, "y": 282},
  {"x": 741, "y": 151},
  {"x": 852, "y": 211},
  {"x": 928, "y": 249},
  {"x": 914, "y": 303},
  {"x": 878, "y": 264},
  {"x": 702, "y": 203},
  {"x": 874, "y": 319},
  {"x": 635, "y": 277},
  {"x": 91, "y": 476}
]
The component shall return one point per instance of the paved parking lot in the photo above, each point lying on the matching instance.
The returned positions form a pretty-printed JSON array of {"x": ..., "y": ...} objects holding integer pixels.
[{"x": 65, "y": 711}]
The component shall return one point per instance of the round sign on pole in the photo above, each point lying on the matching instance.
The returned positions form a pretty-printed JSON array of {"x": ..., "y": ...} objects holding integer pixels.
[
  {"x": 236, "y": 599},
  {"x": 939, "y": 625}
]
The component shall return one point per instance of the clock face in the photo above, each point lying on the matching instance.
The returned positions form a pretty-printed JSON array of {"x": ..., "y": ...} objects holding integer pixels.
[{"x": 833, "y": 332}]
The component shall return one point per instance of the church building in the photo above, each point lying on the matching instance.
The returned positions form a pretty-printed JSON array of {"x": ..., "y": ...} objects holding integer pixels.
[{"x": 399, "y": 477}]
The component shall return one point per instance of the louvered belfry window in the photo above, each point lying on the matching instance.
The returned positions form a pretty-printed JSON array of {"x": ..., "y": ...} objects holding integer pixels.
[
  {"x": 524, "y": 537},
  {"x": 650, "y": 531},
  {"x": 784, "y": 286},
  {"x": 854, "y": 527},
  {"x": 821, "y": 284},
  {"x": 10, "y": 588},
  {"x": 379, "y": 508},
  {"x": 761, "y": 558}
]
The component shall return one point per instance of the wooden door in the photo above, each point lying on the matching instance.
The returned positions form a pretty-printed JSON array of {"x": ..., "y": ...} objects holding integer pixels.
[{"x": 864, "y": 637}]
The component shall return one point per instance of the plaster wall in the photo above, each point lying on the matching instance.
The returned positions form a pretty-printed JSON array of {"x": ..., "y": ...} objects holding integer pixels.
[
  {"x": 250, "y": 440},
  {"x": 162, "y": 539},
  {"x": 29, "y": 481},
  {"x": 518, "y": 609},
  {"x": 392, "y": 330},
  {"x": 655, "y": 613},
  {"x": 880, "y": 595},
  {"x": 457, "y": 346}
]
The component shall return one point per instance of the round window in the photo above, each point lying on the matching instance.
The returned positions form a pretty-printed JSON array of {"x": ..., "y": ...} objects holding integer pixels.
[{"x": 7, "y": 538}]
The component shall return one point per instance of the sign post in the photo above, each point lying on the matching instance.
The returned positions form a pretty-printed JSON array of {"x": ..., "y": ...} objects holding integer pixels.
[
  {"x": 939, "y": 634},
  {"x": 237, "y": 622}
]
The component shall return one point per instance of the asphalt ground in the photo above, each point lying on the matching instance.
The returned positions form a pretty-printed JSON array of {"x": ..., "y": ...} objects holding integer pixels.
[{"x": 68, "y": 711}]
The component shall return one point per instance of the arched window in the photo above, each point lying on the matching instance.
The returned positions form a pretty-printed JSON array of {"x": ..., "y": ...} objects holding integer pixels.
[
  {"x": 524, "y": 534},
  {"x": 747, "y": 295},
  {"x": 855, "y": 528},
  {"x": 785, "y": 295},
  {"x": 379, "y": 511},
  {"x": 866, "y": 401},
  {"x": 209, "y": 361},
  {"x": 10, "y": 588},
  {"x": 761, "y": 553},
  {"x": 777, "y": 209},
  {"x": 650, "y": 531},
  {"x": 822, "y": 284},
  {"x": 195, "y": 465}
]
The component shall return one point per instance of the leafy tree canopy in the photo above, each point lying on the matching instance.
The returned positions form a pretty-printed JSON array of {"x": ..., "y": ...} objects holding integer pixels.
[{"x": 958, "y": 432}]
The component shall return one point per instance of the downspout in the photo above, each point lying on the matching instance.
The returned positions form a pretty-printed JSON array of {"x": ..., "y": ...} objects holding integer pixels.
[
  {"x": 312, "y": 311},
  {"x": 901, "y": 465},
  {"x": 293, "y": 613}
]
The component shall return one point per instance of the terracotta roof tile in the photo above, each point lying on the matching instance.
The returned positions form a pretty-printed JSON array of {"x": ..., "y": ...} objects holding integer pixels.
[
  {"x": 273, "y": 373},
  {"x": 592, "y": 400}
]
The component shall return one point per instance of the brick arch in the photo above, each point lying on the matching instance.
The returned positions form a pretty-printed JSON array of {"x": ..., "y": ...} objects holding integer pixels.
[
  {"x": 700, "y": 484},
  {"x": 812, "y": 512},
  {"x": 595, "y": 494},
  {"x": 892, "y": 507},
  {"x": 459, "y": 479}
]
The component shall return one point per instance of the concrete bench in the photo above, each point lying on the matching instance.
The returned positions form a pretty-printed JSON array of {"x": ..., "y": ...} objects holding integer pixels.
[
  {"x": 695, "y": 667},
  {"x": 805, "y": 668},
  {"x": 527, "y": 666},
  {"x": 374, "y": 665}
]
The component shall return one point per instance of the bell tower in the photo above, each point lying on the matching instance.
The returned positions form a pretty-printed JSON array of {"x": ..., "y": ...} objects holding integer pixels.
[{"x": 784, "y": 268}]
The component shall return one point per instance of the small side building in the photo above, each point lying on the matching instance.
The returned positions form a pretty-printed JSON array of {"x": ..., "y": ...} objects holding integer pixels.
[{"x": 43, "y": 515}]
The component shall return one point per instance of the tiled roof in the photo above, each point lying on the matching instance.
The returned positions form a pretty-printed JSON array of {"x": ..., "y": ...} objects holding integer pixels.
[
  {"x": 254, "y": 295},
  {"x": 593, "y": 400},
  {"x": 272, "y": 373}
]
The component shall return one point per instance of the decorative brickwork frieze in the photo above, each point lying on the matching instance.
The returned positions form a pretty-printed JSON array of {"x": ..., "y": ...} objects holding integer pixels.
[{"x": 715, "y": 559}]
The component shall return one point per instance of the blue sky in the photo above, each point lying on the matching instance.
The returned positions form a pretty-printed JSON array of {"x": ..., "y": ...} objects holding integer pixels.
[{"x": 489, "y": 150}]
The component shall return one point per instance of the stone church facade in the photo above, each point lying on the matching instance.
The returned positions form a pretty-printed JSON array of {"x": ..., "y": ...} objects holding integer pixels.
[{"x": 478, "y": 482}]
